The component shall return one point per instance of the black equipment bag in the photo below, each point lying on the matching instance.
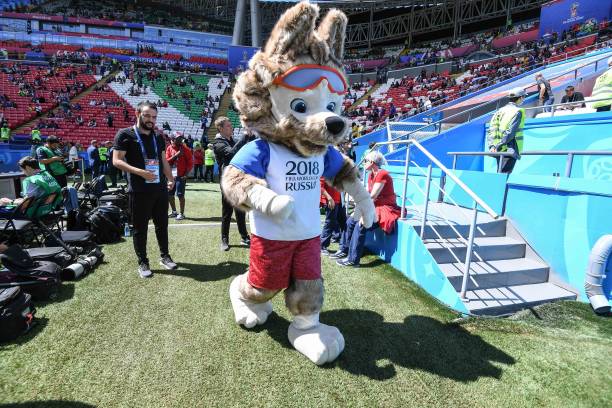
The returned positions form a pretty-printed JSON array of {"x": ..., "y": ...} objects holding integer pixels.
[
  {"x": 107, "y": 223},
  {"x": 40, "y": 279},
  {"x": 118, "y": 200},
  {"x": 16, "y": 313},
  {"x": 57, "y": 255}
]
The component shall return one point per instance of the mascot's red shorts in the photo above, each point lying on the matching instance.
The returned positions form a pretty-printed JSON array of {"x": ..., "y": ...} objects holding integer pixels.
[{"x": 274, "y": 264}]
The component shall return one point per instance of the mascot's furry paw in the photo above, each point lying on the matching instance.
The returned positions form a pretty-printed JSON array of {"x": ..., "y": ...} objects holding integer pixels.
[
  {"x": 365, "y": 212},
  {"x": 246, "y": 313},
  {"x": 321, "y": 343},
  {"x": 282, "y": 207}
]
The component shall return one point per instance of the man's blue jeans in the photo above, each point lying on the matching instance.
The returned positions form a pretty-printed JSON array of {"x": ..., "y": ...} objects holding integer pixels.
[
  {"x": 353, "y": 240},
  {"x": 335, "y": 223},
  {"x": 548, "y": 102}
]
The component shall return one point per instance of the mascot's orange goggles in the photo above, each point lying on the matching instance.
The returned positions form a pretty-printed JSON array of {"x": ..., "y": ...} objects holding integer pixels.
[{"x": 308, "y": 76}]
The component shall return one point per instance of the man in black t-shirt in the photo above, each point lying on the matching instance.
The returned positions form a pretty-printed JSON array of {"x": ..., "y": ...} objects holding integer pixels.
[
  {"x": 572, "y": 96},
  {"x": 140, "y": 152}
]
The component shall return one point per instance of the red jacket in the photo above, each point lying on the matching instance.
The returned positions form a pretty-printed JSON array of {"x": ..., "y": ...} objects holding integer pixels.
[
  {"x": 183, "y": 163},
  {"x": 335, "y": 194},
  {"x": 198, "y": 157}
]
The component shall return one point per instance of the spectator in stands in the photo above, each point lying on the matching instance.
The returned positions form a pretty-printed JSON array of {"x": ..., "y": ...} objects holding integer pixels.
[
  {"x": 79, "y": 120},
  {"x": 505, "y": 133},
  {"x": 546, "y": 96},
  {"x": 572, "y": 96},
  {"x": 225, "y": 148},
  {"x": 51, "y": 160},
  {"x": 92, "y": 123},
  {"x": 603, "y": 90},
  {"x": 139, "y": 151},
  {"x": 180, "y": 159},
  {"x": 380, "y": 186},
  {"x": 109, "y": 119}
]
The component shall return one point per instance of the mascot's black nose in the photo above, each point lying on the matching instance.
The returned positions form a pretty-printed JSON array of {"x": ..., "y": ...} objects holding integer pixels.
[{"x": 334, "y": 124}]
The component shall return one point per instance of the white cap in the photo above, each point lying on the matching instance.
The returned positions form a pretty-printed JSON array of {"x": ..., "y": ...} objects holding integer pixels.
[{"x": 516, "y": 93}]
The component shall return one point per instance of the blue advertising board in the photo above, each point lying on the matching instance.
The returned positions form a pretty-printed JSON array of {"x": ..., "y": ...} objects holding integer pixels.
[
  {"x": 562, "y": 15},
  {"x": 239, "y": 56}
]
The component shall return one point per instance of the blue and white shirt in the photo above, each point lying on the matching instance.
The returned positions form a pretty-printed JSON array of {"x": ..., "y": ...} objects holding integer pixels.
[{"x": 288, "y": 174}]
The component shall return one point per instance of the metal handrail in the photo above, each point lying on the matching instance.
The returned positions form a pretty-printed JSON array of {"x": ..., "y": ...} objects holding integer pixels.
[
  {"x": 569, "y": 153},
  {"x": 555, "y": 105},
  {"x": 477, "y": 201},
  {"x": 446, "y": 171}
]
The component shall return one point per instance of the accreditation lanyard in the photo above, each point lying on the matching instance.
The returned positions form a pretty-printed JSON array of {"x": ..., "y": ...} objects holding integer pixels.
[
  {"x": 144, "y": 153},
  {"x": 151, "y": 165}
]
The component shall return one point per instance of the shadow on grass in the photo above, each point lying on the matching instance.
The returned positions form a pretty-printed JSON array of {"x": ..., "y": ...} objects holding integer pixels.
[
  {"x": 39, "y": 324},
  {"x": 48, "y": 404},
  {"x": 65, "y": 292},
  {"x": 207, "y": 273},
  {"x": 420, "y": 343},
  {"x": 373, "y": 263},
  {"x": 209, "y": 219}
]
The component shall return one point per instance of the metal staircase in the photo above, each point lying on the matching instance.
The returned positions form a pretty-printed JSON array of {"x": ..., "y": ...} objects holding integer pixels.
[
  {"x": 484, "y": 258},
  {"x": 505, "y": 274}
]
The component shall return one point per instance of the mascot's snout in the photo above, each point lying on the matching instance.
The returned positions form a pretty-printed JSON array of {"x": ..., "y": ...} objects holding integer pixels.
[{"x": 335, "y": 125}]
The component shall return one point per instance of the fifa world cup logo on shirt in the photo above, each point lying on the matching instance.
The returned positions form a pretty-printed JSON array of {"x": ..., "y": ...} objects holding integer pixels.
[{"x": 302, "y": 175}]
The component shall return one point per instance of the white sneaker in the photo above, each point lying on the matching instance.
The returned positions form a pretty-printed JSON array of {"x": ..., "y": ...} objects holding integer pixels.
[
  {"x": 180, "y": 217},
  {"x": 173, "y": 214}
]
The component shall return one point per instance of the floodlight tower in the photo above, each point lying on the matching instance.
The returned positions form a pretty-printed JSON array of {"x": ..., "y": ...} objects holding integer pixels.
[{"x": 239, "y": 23}]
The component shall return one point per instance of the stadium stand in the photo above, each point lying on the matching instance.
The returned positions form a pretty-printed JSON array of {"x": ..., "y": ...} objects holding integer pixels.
[{"x": 30, "y": 91}]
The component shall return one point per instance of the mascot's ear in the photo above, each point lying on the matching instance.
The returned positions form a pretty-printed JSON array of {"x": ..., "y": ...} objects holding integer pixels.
[
  {"x": 332, "y": 30},
  {"x": 293, "y": 31}
]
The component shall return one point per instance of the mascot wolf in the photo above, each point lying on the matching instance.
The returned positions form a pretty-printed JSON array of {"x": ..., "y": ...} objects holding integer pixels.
[{"x": 291, "y": 97}]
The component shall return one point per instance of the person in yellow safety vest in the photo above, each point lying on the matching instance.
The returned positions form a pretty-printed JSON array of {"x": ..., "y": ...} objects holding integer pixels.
[
  {"x": 36, "y": 139},
  {"x": 103, "y": 152},
  {"x": 603, "y": 89},
  {"x": 209, "y": 164},
  {"x": 5, "y": 134},
  {"x": 505, "y": 132}
]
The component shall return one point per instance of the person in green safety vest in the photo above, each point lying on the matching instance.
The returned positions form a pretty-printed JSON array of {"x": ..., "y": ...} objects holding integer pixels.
[
  {"x": 51, "y": 159},
  {"x": 505, "y": 133},
  {"x": 103, "y": 152},
  {"x": 209, "y": 163},
  {"x": 36, "y": 139},
  {"x": 5, "y": 133},
  {"x": 603, "y": 89},
  {"x": 38, "y": 183}
]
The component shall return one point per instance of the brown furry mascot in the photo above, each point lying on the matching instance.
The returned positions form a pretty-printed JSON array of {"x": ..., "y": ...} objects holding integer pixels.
[{"x": 291, "y": 97}]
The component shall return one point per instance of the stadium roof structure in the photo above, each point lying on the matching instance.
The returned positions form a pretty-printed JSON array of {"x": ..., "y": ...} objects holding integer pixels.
[{"x": 374, "y": 21}]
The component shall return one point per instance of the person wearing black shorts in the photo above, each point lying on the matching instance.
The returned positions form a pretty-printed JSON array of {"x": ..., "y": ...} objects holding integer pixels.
[{"x": 140, "y": 152}]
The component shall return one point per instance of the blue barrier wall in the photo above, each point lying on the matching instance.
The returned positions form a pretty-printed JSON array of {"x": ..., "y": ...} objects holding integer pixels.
[
  {"x": 573, "y": 132},
  {"x": 562, "y": 219},
  {"x": 405, "y": 251}
]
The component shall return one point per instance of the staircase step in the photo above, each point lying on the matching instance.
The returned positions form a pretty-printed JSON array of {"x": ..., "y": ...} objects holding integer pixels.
[
  {"x": 491, "y": 274},
  {"x": 495, "y": 228},
  {"x": 509, "y": 299},
  {"x": 486, "y": 248}
]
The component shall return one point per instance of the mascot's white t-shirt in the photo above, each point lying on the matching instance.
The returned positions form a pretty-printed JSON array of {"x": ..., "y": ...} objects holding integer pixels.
[{"x": 288, "y": 174}]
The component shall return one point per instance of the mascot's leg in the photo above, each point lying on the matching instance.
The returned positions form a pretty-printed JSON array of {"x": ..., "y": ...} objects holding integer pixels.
[
  {"x": 251, "y": 305},
  {"x": 317, "y": 341}
]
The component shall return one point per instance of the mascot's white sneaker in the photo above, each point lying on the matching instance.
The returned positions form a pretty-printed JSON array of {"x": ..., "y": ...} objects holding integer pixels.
[
  {"x": 246, "y": 313},
  {"x": 319, "y": 342}
]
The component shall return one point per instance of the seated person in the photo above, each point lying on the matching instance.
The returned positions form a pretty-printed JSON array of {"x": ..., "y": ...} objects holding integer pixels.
[
  {"x": 572, "y": 96},
  {"x": 38, "y": 183},
  {"x": 380, "y": 186}
]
